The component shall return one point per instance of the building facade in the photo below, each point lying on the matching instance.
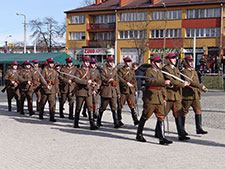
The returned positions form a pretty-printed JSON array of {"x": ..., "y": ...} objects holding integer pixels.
[{"x": 139, "y": 28}]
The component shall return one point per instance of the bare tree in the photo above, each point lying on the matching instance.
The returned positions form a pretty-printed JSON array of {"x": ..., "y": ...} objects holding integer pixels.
[
  {"x": 87, "y": 2},
  {"x": 46, "y": 32}
]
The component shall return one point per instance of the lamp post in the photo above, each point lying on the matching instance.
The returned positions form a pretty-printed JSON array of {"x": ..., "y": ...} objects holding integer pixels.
[
  {"x": 6, "y": 43},
  {"x": 164, "y": 33},
  {"x": 25, "y": 31}
]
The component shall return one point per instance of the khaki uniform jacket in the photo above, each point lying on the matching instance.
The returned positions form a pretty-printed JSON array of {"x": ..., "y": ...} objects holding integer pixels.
[
  {"x": 51, "y": 77},
  {"x": 109, "y": 89},
  {"x": 155, "y": 92},
  {"x": 10, "y": 76},
  {"x": 126, "y": 75},
  {"x": 36, "y": 78},
  {"x": 65, "y": 87},
  {"x": 83, "y": 88},
  {"x": 193, "y": 91},
  {"x": 175, "y": 92},
  {"x": 96, "y": 78},
  {"x": 26, "y": 75}
]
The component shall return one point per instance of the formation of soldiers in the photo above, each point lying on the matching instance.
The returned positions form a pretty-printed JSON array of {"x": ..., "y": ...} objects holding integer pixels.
[{"x": 166, "y": 88}]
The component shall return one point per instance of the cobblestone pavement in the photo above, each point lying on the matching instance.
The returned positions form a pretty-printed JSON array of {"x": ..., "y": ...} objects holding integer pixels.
[{"x": 27, "y": 142}]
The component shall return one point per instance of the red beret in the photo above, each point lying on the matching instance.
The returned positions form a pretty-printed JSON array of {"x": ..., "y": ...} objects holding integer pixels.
[
  {"x": 156, "y": 59},
  {"x": 172, "y": 55},
  {"x": 86, "y": 59},
  {"x": 57, "y": 64},
  {"x": 50, "y": 60},
  {"x": 69, "y": 60},
  {"x": 110, "y": 59},
  {"x": 93, "y": 61},
  {"x": 14, "y": 63},
  {"x": 27, "y": 62},
  {"x": 46, "y": 63},
  {"x": 35, "y": 61},
  {"x": 189, "y": 59},
  {"x": 127, "y": 59}
]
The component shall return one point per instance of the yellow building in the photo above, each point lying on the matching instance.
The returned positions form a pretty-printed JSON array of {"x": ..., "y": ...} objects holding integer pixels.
[{"x": 139, "y": 28}]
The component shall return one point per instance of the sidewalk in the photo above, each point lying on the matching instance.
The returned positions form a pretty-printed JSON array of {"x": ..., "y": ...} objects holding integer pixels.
[{"x": 27, "y": 142}]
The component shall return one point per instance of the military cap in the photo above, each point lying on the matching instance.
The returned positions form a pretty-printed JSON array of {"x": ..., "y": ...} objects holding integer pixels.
[
  {"x": 57, "y": 64},
  {"x": 171, "y": 56},
  {"x": 14, "y": 63},
  {"x": 69, "y": 60},
  {"x": 50, "y": 60},
  {"x": 35, "y": 61},
  {"x": 155, "y": 58},
  {"x": 188, "y": 59},
  {"x": 27, "y": 62},
  {"x": 92, "y": 61},
  {"x": 110, "y": 59},
  {"x": 127, "y": 59},
  {"x": 86, "y": 59}
]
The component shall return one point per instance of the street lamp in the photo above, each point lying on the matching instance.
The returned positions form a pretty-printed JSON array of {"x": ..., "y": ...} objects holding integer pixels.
[
  {"x": 164, "y": 33},
  {"x": 25, "y": 31}
]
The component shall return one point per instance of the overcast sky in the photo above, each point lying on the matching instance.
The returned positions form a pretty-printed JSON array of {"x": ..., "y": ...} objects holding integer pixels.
[{"x": 11, "y": 24}]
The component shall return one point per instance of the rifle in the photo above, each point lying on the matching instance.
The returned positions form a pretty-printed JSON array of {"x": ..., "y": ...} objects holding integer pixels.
[
  {"x": 69, "y": 75},
  {"x": 5, "y": 88},
  {"x": 39, "y": 74},
  {"x": 171, "y": 75}
]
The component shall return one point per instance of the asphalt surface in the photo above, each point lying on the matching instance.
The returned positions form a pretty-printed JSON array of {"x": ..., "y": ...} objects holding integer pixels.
[{"x": 27, "y": 142}]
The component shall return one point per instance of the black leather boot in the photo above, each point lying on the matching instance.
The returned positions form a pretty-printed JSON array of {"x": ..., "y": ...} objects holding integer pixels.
[
  {"x": 76, "y": 119},
  {"x": 139, "y": 136},
  {"x": 156, "y": 130},
  {"x": 161, "y": 133},
  {"x": 134, "y": 116},
  {"x": 61, "y": 115},
  {"x": 183, "y": 124},
  {"x": 198, "y": 123},
  {"x": 91, "y": 120},
  {"x": 22, "y": 108},
  {"x": 52, "y": 114},
  {"x": 99, "y": 119},
  {"x": 18, "y": 105},
  {"x": 71, "y": 112},
  {"x": 119, "y": 111},
  {"x": 30, "y": 108},
  {"x": 180, "y": 130},
  {"x": 9, "y": 105},
  {"x": 38, "y": 105},
  {"x": 115, "y": 119},
  {"x": 84, "y": 110}
]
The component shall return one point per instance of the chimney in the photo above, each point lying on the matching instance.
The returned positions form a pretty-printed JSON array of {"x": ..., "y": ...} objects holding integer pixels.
[
  {"x": 123, "y": 2},
  {"x": 154, "y": 1},
  {"x": 97, "y": 2}
]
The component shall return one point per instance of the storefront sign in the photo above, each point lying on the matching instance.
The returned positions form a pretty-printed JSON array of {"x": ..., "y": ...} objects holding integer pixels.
[{"x": 98, "y": 51}]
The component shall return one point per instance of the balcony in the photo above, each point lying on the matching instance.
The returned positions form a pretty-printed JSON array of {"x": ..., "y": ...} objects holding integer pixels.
[
  {"x": 101, "y": 43},
  {"x": 101, "y": 27}
]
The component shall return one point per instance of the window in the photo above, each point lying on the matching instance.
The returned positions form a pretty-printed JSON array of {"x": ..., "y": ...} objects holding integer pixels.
[
  {"x": 170, "y": 33},
  {"x": 77, "y": 35},
  {"x": 104, "y": 19},
  {"x": 174, "y": 14},
  {"x": 203, "y": 32},
  {"x": 103, "y": 36},
  {"x": 133, "y": 34},
  {"x": 203, "y": 13},
  {"x": 157, "y": 15},
  {"x": 138, "y": 16},
  {"x": 78, "y": 19}
]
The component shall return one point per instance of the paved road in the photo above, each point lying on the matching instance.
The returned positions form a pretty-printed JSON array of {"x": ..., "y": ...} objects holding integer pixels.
[{"x": 27, "y": 142}]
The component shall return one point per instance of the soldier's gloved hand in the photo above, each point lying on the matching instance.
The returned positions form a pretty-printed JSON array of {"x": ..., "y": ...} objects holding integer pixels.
[
  {"x": 135, "y": 94},
  {"x": 167, "y": 82},
  {"x": 29, "y": 82},
  {"x": 13, "y": 82},
  {"x": 129, "y": 84},
  {"x": 89, "y": 81},
  {"x": 94, "y": 93},
  {"x": 69, "y": 81},
  {"x": 186, "y": 83},
  {"x": 49, "y": 87},
  {"x": 118, "y": 95},
  {"x": 111, "y": 80}
]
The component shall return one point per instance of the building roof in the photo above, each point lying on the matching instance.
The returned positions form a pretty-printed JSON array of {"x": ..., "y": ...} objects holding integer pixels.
[
  {"x": 110, "y": 5},
  {"x": 7, "y": 58}
]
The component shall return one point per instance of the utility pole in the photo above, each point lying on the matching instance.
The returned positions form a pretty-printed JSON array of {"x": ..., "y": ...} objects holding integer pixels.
[{"x": 25, "y": 31}]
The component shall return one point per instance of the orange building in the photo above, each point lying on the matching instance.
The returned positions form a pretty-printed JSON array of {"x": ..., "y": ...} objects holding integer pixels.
[{"x": 139, "y": 28}]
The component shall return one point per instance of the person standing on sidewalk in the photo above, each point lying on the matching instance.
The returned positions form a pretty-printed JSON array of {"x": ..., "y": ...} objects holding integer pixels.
[
  {"x": 49, "y": 88},
  {"x": 174, "y": 95},
  {"x": 109, "y": 92},
  {"x": 12, "y": 86},
  {"x": 154, "y": 98},
  {"x": 191, "y": 95},
  {"x": 67, "y": 88}
]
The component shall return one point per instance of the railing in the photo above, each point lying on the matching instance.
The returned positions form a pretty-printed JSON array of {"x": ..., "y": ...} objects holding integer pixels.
[
  {"x": 101, "y": 43},
  {"x": 101, "y": 26}
]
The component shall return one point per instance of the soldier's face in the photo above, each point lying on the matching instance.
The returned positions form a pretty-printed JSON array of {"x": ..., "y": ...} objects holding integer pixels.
[
  {"x": 191, "y": 64},
  {"x": 36, "y": 65},
  {"x": 128, "y": 64},
  {"x": 69, "y": 64},
  {"x": 110, "y": 64},
  {"x": 14, "y": 67},
  {"x": 92, "y": 65},
  {"x": 86, "y": 64},
  {"x": 28, "y": 66},
  {"x": 51, "y": 65},
  {"x": 173, "y": 61}
]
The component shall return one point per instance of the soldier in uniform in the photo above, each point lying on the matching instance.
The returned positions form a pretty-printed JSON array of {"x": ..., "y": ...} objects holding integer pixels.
[
  {"x": 95, "y": 74},
  {"x": 192, "y": 95},
  {"x": 67, "y": 88},
  {"x": 174, "y": 95},
  {"x": 128, "y": 89},
  {"x": 109, "y": 91},
  {"x": 84, "y": 93},
  {"x": 154, "y": 97},
  {"x": 49, "y": 88},
  {"x": 60, "y": 83},
  {"x": 37, "y": 82},
  {"x": 26, "y": 88},
  {"x": 12, "y": 86}
]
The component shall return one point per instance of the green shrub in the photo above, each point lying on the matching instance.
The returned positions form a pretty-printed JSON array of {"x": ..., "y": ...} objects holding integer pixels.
[{"x": 213, "y": 82}]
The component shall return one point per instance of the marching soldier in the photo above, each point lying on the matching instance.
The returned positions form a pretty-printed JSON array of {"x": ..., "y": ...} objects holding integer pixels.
[
  {"x": 128, "y": 89},
  {"x": 154, "y": 97},
  {"x": 26, "y": 88},
  {"x": 60, "y": 83},
  {"x": 174, "y": 95},
  {"x": 12, "y": 86},
  {"x": 37, "y": 82},
  {"x": 84, "y": 93},
  {"x": 109, "y": 91},
  {"x": 49, "y": 87},
  {"x": 95, "y": 74},
  {"x": 67, "y": 88},
  {"x": 192, "y": 95}
]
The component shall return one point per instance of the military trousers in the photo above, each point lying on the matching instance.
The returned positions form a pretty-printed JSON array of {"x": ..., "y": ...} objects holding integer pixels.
[
  {"x": 37, "y": 92},
  {"x": 27, "y": 95},
  {"x": 175, "y": 106},
  {"x": 51, "y": 101},
  {"x": 88, "y": 101},
  {"x": 149, "y": 109},
  {"x": 12, "y": 93},
  {"x": 111, "y": 101},
  {"x": 195, "y": 104},
  {"x": 69, "y": 96},
  {"x": 130, "y": 98}
]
